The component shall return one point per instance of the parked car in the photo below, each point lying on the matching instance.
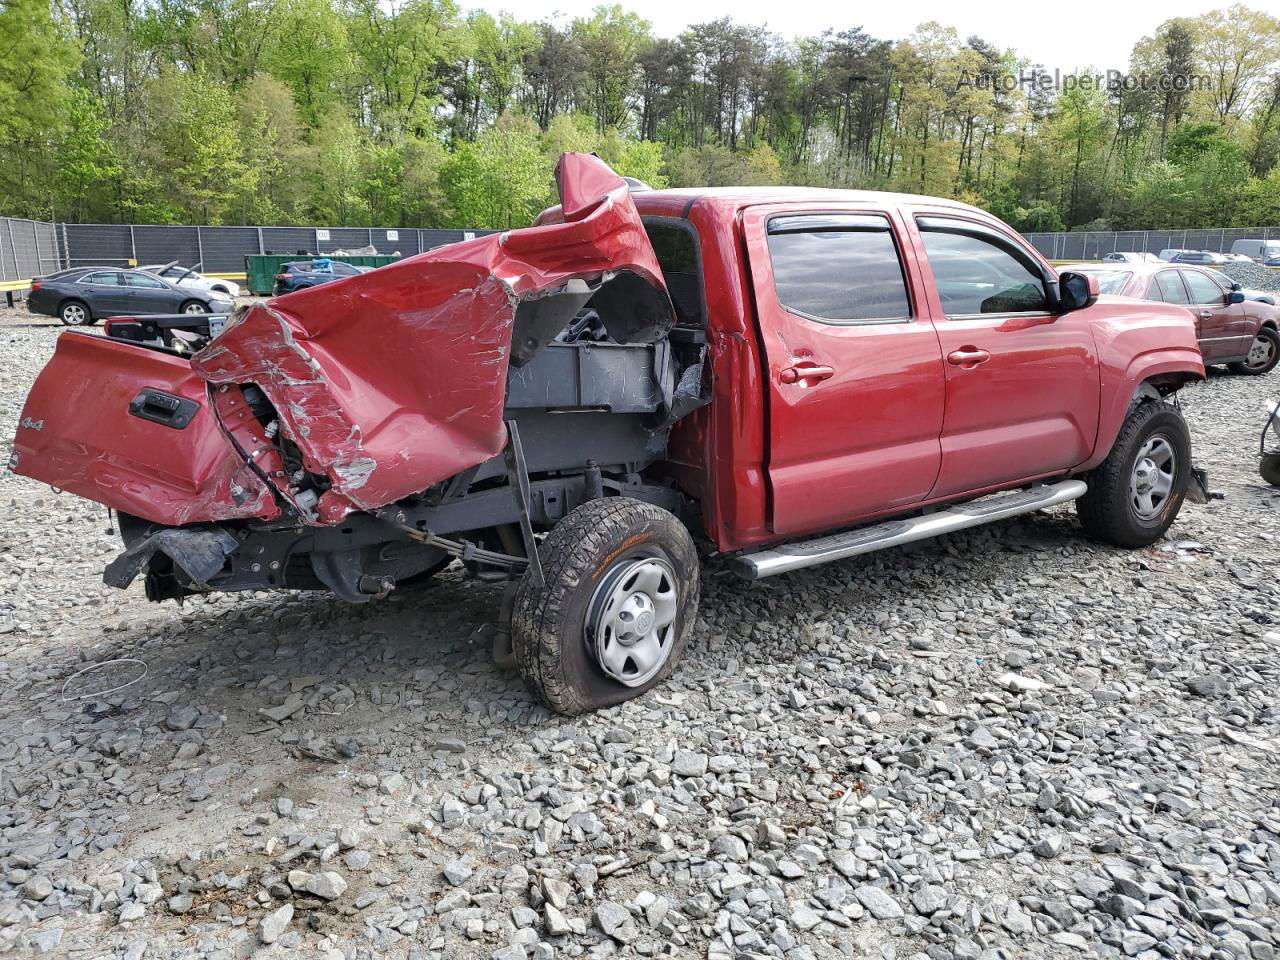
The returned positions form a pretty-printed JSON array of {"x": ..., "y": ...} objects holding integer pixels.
[
  {"x": 84, "y": 295},
  {"x": 1230, "y": 327},
  {"x": 1130, "y": 256},
  {"x": 1257, "y": 250},
  {"x": 780, "y": 364},
  {"x": 1191, "y": 256},
  {"x": 189, "y": 277},
  {"x": 311, "y": 273}
]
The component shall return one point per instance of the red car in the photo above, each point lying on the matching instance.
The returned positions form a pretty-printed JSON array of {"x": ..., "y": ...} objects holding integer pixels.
[
  {"x": 1231, "y": 329},
  {"x": 791, "y": 376}
]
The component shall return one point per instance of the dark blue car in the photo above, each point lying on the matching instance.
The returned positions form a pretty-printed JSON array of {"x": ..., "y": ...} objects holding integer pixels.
[{"x": 311, "y": 273}]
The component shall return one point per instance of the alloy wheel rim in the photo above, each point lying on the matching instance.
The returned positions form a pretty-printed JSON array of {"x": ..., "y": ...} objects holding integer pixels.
[
  {"x": 194, "y": 308},
  {"x": 631, "y": 620},
  {"x": 1261, "y": 351},
  {"x": 1151, "y": 481},
  {"x": 74, "y": 313}
]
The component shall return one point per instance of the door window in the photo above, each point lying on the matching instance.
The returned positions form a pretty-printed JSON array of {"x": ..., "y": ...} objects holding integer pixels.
[
  {"x": 139, "y": 280},
  {"x": 977, "y": 275},
  {"x": 838, "y": 269},
  {"x": 1168, "y": 287},
  {"x": 111, "y": 279},
  {"x": 1203, "y": 290}
]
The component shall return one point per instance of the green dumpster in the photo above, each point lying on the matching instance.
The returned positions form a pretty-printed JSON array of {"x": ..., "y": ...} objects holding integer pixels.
[{"x": 260, "y": 271}]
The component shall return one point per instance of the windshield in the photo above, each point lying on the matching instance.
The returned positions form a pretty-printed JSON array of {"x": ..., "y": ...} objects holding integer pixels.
[{"x": 1110, "y": 281}]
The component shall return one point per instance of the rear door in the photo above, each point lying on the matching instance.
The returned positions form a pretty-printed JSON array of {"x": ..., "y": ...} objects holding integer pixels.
[
  {"x": 1223, "y": 328},
  {"x": 104, "y": 292},
  {"x": 853, "y": 368},
  {"x": 1022, "y": 382}
]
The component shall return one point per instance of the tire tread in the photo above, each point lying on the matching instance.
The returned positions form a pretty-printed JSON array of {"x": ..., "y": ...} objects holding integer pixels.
[{"x": 568, "y": 551}]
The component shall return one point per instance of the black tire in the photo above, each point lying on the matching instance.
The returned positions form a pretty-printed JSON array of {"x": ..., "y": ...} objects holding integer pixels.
[
  {"x": 1108, "y": 512},
  {"x": 1269, "y": 468},
  {"x": 1266, "y": 366},
  {"x": 594, "y": 545},
  {"x": 201, "y": 306},
  {"x": 76, "y": 313}
]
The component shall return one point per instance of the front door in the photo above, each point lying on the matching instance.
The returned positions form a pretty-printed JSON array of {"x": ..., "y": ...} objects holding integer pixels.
[
  {"x": 149, "y": 295},
  {"x": 853, "y": 367},
  {"x": 1022, "y": 382},
  {"x": 1223, "y": 329}
]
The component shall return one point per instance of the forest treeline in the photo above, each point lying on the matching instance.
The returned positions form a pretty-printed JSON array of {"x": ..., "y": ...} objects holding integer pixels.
[{"x": 419, "y": 113}]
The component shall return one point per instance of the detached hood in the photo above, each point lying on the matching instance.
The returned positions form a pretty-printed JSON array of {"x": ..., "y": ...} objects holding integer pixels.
[{"x": 386, "y": 383}]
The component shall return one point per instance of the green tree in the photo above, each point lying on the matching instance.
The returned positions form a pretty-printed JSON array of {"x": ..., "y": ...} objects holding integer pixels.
[
  {"x": 310, "y": 52},
  {"x": 193, "y": 147},
  {"x": 36, "y": 59},
  {"x": 611, "y": 40},
  {"x": 503, "y": 179},
  {"x": 87, "y": 162}
]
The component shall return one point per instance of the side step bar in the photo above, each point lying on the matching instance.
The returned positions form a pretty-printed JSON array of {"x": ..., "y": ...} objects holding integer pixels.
[{"x": 893, "y": 533}]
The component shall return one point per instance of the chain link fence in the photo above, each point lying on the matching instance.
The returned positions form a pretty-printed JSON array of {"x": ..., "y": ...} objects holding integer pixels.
[
  {"x": 28, "y": 248},
  {"x": 1095, "y": 244}
]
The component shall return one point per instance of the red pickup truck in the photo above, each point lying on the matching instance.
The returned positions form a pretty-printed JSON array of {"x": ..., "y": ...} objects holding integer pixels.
[{"x": 791, "y": 376}]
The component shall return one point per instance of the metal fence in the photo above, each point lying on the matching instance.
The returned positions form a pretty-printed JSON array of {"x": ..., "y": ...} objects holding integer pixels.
[
  {"x": 28, "y": 248},
  {"x": 223, "y": 249},
  {"x": 1094, "y": 244}
]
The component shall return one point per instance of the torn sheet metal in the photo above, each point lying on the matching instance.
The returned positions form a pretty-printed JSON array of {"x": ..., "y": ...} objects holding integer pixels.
[
  {"x": 198, "y": 552},
  {"x": 394, "y": 380}
]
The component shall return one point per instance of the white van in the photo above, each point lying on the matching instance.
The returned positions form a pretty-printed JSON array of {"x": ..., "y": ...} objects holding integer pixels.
[{"x": 1257, "y": 249}]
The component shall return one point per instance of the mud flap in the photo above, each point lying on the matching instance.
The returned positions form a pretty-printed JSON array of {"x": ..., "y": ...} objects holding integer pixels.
[
  {"x": 200, "y": 553},
  {"x": 1198, "y": 487}
]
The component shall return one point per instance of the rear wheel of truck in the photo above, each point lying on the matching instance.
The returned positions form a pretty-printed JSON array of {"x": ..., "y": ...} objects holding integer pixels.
[
  {"x": 613, "y": 616},
  {"x": 1136, "y": 493},
  {"x": 1264, "y": 354}
]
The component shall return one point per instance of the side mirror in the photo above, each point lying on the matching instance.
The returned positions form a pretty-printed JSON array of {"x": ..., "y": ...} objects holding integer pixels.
[
  {"x": 1077, "y": 290},
  {"x": 1235, "y": 296},
  {"x": 1236, "y": 285}
]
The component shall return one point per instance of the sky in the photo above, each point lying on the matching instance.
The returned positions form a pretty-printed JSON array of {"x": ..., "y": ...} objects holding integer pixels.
[{"x": 1097, "y": 33}]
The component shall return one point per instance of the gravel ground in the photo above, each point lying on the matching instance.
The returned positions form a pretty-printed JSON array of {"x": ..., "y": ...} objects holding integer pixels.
[{"x": 1006, "y": 743}]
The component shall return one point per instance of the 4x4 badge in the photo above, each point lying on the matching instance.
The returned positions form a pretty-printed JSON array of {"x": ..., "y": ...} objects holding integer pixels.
[{"x": 32, "y": 424}]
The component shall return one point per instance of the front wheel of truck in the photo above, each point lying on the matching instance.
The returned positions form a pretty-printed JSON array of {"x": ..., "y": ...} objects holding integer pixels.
[
  {"x": 1135, "y": 494},
  {"x": 614, "y": 613}
]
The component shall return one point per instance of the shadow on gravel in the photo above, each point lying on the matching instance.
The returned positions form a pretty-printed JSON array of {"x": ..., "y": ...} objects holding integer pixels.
[{"x": 421, "y": 648}]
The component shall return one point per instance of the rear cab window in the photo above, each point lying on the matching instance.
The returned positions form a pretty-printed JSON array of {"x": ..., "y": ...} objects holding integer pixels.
[
  {"x": 676, "y": 245},
  {"x": 838, "y": 268}
]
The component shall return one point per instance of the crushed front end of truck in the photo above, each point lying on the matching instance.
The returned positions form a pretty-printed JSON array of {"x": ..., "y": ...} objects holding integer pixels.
[{"x": 363, "y": 433}]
